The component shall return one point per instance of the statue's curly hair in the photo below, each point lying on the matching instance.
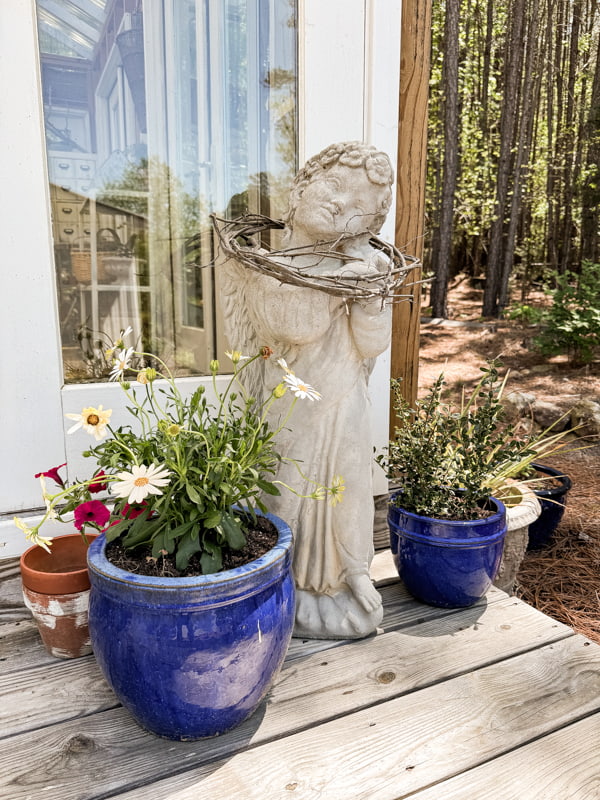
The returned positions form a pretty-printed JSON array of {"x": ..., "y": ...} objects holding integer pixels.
[{"x": 350, "y": 154}]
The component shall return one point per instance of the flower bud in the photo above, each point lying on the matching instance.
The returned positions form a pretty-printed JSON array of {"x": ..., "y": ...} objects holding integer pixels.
[
  {"x": 174, "y": 429},
  {"x": 151, "y": 374},
  {"x": 125, "y": 385},
  {"x": 279, "y": 390},
  {"x": 214, "y": 366},
  {"x": 266, "y": 352},
  {"x": 142, "y": 377}
]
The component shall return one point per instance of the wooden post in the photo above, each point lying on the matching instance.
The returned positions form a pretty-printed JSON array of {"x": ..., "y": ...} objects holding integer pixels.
[{"x": 410, "y": 185}]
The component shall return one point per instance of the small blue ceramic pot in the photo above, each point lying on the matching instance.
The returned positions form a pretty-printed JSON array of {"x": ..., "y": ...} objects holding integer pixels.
[
  {"x": 553, "y": 501},
  {"x": 446, "y": 563},
  {"x": 192, "y": 657}
]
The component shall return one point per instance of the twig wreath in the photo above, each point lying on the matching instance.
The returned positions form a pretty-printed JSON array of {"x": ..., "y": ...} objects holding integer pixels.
[{"x": 239, "y": 239}]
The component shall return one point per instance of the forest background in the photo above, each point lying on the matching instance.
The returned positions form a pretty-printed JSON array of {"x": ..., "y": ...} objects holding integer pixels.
[{"x": 513, "y": 185}]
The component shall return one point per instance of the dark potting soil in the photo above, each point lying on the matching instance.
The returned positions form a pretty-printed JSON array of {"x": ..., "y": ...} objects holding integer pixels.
[{"x": 261, "y": 536}]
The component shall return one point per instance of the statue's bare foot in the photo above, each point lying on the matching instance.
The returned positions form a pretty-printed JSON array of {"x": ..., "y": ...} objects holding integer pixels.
[{"x": 364, "y": 591}]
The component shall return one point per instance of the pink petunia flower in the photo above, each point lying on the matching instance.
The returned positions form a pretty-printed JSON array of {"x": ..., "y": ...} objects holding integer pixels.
[
  {"x": 53, "y": 473},
  {"x": 91, "y": 513},
  {"x": 131, "y": 512},
  {"x": 98, "y": 485}
]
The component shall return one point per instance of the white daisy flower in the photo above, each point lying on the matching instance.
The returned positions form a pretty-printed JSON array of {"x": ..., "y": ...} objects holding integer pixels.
[
  {"x": 120, "y": 364},
  {"x": 283, "y": 364},
  {"x": 92, "y": 420},
  {"x": 301, "y": 389},
  {"x": 140, "y": 482},
  {"x": 120, "y": 343}
]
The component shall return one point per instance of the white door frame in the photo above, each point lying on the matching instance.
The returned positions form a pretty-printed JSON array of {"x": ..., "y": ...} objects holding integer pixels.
[{"x": 349, "y": 62}]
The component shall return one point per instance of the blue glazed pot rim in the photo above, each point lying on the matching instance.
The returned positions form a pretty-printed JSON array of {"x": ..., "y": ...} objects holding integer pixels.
[
  {"x": 218, "y": 581},
  {"x": 457, "y": 524},
  {"x": 555, "y": 491}
]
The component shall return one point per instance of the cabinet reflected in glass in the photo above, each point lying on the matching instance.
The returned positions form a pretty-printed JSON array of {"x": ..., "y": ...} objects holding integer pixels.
[{"x": 157, "y": 114}]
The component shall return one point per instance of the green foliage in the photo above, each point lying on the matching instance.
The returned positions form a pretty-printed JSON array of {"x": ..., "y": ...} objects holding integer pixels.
[
  {"x": 526, "y": 314},
  {"x": 215, "y": 460},
  {"x": 572, "y": 324},
  {"x": 187, "y": 472},
  {"x": 553, "y": 163},
  {"x": 448, "y": 460}
]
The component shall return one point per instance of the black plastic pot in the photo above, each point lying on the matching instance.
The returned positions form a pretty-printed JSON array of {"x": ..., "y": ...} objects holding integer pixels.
[{"x": 553, "y": 501}]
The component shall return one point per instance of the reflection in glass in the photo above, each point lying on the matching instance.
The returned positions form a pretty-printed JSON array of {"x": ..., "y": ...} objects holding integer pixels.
[{"x": 158, "y": 113}]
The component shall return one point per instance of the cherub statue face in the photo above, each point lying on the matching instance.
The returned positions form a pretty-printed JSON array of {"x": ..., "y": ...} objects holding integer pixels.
[{"x": 338, "y": 200}]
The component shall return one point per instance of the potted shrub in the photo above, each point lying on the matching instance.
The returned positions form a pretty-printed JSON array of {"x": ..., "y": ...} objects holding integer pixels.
[
  {"x": 448, "y": 521},
  {"x": 466, "y": 497},
  {"x": 192, "y": 600}
]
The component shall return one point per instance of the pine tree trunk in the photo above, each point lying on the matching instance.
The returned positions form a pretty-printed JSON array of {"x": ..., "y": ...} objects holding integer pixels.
[
  {"x": 513, "y": 59},
  {"x": 590, "y": 217},
  {"x": 443, "y": 237}
]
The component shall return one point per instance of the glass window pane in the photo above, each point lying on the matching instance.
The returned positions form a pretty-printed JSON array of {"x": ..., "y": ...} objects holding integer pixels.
[{"x": 158, "y": 113}]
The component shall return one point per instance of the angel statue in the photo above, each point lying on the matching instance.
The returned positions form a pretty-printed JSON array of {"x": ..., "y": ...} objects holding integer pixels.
[{"x": 329, "y": 334}]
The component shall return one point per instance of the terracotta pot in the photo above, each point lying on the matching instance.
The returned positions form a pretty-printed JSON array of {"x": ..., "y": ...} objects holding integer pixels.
[{"x": 56, "y": 589}]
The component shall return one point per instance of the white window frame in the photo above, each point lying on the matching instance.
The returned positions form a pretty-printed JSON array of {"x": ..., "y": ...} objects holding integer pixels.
[{"x": 349, "y": 62}]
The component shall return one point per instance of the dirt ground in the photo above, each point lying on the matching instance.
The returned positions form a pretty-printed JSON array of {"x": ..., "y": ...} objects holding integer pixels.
[{"x": 564, "y": 579}]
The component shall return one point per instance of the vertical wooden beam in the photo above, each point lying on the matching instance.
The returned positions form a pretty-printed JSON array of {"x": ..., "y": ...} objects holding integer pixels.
[{"x": 410, "y": 185}]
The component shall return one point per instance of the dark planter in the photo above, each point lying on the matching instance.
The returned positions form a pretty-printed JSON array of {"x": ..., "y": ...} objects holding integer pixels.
[
  {"x": 553, "y": 501},
  {"x": 446, "y": 563},
  {"x": 193, "y": 657},
  {"x": 56, "y": 589}
]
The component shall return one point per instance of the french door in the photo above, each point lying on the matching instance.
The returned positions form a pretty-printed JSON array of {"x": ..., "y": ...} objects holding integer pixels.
[{"x": 128, "y": 122}]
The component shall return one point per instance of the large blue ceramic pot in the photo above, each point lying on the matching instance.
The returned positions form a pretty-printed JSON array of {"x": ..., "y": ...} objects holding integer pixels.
[
  {"x": 446, "y": 563},
  {"x": 192, "y": 657},
  {"x": 552, "y": 500}
]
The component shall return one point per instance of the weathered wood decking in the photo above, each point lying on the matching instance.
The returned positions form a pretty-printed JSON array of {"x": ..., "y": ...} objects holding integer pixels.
[{"x": 497, "y": 701}]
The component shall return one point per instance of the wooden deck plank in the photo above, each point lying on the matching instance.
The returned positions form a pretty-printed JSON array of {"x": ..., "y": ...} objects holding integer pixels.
[
  {"x": 11, "y": 597},
  {"x": 52, "y": 693},
  {"x": 564, "y": 765},
  {"x": 21, "y": 647},
  {"x": 446, "y": 645},
  {"x": 361, "y": 675},
  {"x": 391, "y": 750}
]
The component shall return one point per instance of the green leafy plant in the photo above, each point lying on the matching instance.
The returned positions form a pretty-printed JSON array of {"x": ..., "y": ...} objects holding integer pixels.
[
  {"x": 526, "y": 314},
  {"x": 179, "y": 478},
  {"x": 572, "y": 324},
  {"x": 449, "y": 460}
]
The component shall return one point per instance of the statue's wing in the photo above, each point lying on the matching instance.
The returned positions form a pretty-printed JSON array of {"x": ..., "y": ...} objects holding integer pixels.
[{"x": 236, "y": 299}]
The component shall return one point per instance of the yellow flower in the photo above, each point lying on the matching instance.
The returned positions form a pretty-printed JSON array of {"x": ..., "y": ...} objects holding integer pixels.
[
  {"x": 236, "y": 356},
  {"x": 174, "y": 429},
  {"x": 92, "y": 420},
  {"x": 336, "y": 490},
  {"x": 32, "y": 534}
]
